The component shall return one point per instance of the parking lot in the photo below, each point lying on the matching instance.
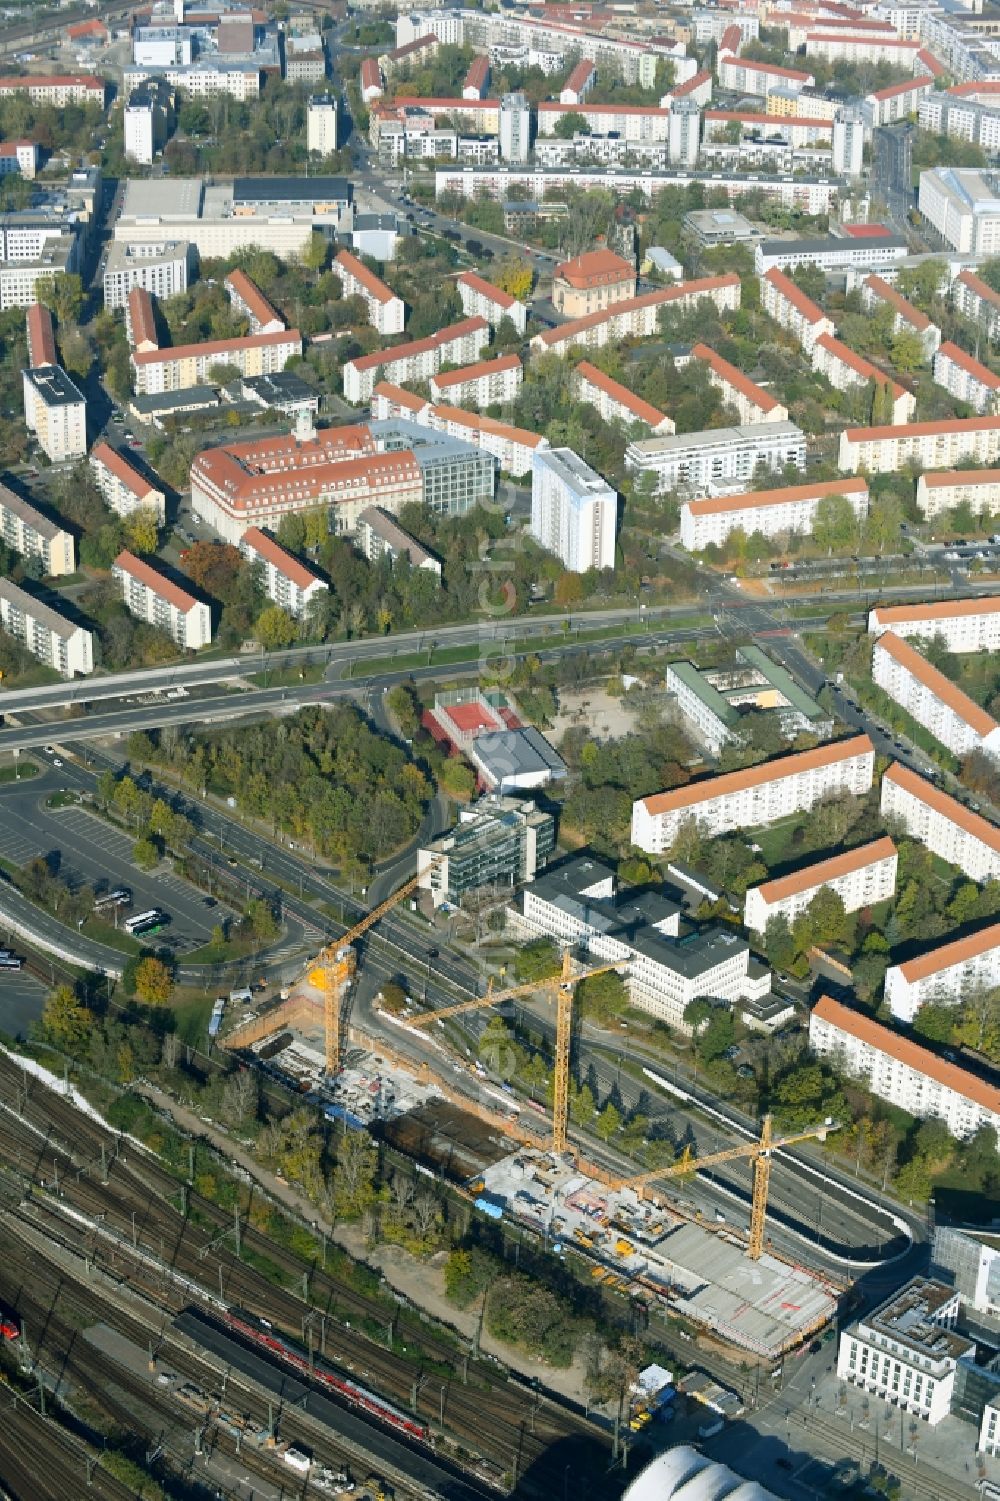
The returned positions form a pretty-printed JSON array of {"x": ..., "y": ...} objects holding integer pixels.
[
  {"x": 84, "y": 850},
  {"x": 22, "y": 996}
]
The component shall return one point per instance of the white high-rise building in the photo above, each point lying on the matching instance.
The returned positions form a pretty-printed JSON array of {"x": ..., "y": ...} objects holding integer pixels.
[
  {"x": 948, "y": 829},
  {"x": 48, "y": 635},
  {"x": 574, "y": 512},
  {"x": 515, "y": 128},
  {"x": 56, "y": 412},
  {"x": 848, "y": 143},
  {"x": 161, "y": 602},
  {"x": 684, "y": 133},
  {"x": 321, "y": 124}
]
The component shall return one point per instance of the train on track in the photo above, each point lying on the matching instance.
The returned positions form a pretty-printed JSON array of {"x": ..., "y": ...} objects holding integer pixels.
[
  {"x": 10, "y": 1327},
  {"x": 263, "y": 1334}
]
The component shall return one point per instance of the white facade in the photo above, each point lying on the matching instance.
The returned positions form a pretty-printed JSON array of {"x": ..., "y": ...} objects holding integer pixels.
[
  {"x": 847, "y": 371},
  {"x": 321, "y": 124},
  {"x": 480, "y": 299},
  {"x": 386, "y": 311},
  {"x": 514, "y": 448},
  {"x": 718, "y": 456},
  {"x": 773, "y": 513},
  {"x": 33, "y": 535},
  {"x": 963, "y": 207},
  {"x": 931, "y": 445},
  {"x": 56, "y": 412},
  {"x": 813, "y": 194},
  {"x": 860, "y": 877},
  {"x": 684, "y": 133},
  {"x": 783, "y": 301},
  {"x": 637, "y": 317},
  {"x": 124, "y": 489},
  {"x": 140, "y": 132},
  {"x": 46, "y": 634},
  {"x": 515, "y": 128},
  {"x": 877, "y": 293},
  {"x": 961, "y": 120},
  {"x": 180, "y": 366},
  {"x": 751, "y": 402},
  {"x": 757, "y": 796},
  {"x": 953, "y": 718},
  {"x": 944, "y": 975},
  {"x": 897, "y": 102},
  {"x": 459, "y": 344},
  {"x": 615, "y": 402},
  {"x": 962, "y": 625},
  {"x": 906, "y": 1352},
  {"x": 948, "y": 829},
  {"x": 486, "y": 384},
  {"x": 574, "y": 512},
  {"x": 979, "y": 489},
  {"x": 287, "y": 582},
  {"x": 160, "y": 269},
  {"x": 848, "y": 143},
  {"x": 966, "y": 378},
  {"x": 742, "y": 76},
  {"x": 976, "y": 300},
  {"x": 898, "y": 1070},
  {"x": 160, "y": 602},
  {"x": 18, "y": 157}
]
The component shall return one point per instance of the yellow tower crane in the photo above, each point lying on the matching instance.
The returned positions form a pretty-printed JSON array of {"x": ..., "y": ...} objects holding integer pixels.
[
  {"x": 760, "y": 1151},
  {"x": 563, "y": 985}
]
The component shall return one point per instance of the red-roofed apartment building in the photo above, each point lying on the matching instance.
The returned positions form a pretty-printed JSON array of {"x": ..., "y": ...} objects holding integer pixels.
[
  {"x": 975, "y": 299},
  {"x": 481, "y": 299},
  {"x": 944, "y": 489},
  {"x": 961, "y": 625},
  {"x": 900, "y": 1071},
  {"x": 945, "y": 974},
  {"x": 176, "y": 369},
  {"x": 756, "y": 796},
  {"x": 945, "y": 826},
  {"x": 579, "y": 83},
  {"x": 458, "y": 344},
  {"x": 846, "y": 370},
  {"x": 249, "y": 301},
  {"x": 860, "y": 877},
  {"x": 56, "y": 89},
  {"x": 18, "y": 156},
  {"x": 789, "y": 306},
  {"x": 123, "y": 487},
  {"x": 160, "y": 602},
  {"x": 773, "y": 513},
  {"x": 615, "y": 402},
  {"x": 477, "y": 79},
  {"x": 287, "y": 581},
  {"x": 897, "y": 101},
  {"x": 485, "y": 384},
  {"x": 386, "y": 311},
  {"x": 933, "y": 700},
  {"x": 140, "y": 321},
  {"x": 966, "y": 377},
  {"x": 877, "y": 293},
  {"x": 591, "y": 283},
  {"x": 752, "y": 402},
  {"x": 743, "y": 76}
]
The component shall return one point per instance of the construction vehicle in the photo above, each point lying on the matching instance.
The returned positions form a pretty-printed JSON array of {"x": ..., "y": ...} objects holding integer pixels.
[
  {"x": 761, "y": 1152},
  {"x": 563, "y": 984}
]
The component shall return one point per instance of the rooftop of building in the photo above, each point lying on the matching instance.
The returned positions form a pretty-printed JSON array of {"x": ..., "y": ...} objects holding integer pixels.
[
  {"x": 595, "y": 268},
  {"x": 54, "y": 386},
  {"x": 291, "y": 190},
  {"x": 481, "y": 370},
  {"x": 642, "y": 410},
  {"x": 735, "y": 378},
  {"x": 888, "y": 431},
  {"x": 162, "y": 587},
  {"x": 485, "y": 288},
  {"x": 821, "y": 872},
  {"x": 887, "y": 293},
  {"x": 125, "y": 256},
  {"x": 828, "y": 244},
  {"x": 401, "y": 541},
  {"x": 506, "y": 754},
  {"x": 943, "y": 689},
  {"x": 582, "y": 482},
  {"x": 949, "y": 955},
  {"x": 38, "y": 610},
  {"x": 250, "y": 294},
  {"x": 755, "y": 432},
  {"x": 794, "y": 294},
  {"x": 398, "y": 352},
  {"x": 939, "y": 609},
  {"x": 979, "y": 372},
  {"x": 212, "y": 347},
  {"x": 373, "y": 284},
  {"x": 265, "y": 547},
  {"x": 29, "y": 514},
  {"x": 910, "y": 1317},
  {"x": 731, "y": 782},
  {"x": 118, "y": 464}
]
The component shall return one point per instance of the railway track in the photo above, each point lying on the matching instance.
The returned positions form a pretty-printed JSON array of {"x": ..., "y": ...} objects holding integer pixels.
[
  {"x": 422, "y": 1371},
  {"x": 41, "y": 1461}
]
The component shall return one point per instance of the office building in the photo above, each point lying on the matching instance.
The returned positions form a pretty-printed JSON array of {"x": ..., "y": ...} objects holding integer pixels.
[
  {"x": 55, "y": 412},
  {"x": 481, "y": 299},
  {"x": 249, "y": 302},
  {"x": 783, "y": 301},
  {"x": 50, "y": 637},
  {"x": 773, "y": 513},
  {"x": 907, "y": 1350},
  {"x": 833, "y": 254},
  {"x": 945, "y": 975},
  {"x": 386, "y": 311},
  {"x": 692, "y": 462},
  {"x": 615, "y": 402},
  {"x": 33, "y": 535},
  {"x": 930, "y": 445},
  {"x": 877, "y": 293},
  {"x": 221, "y": 218},
  {"x": 969, "y": 1261},
  {"x": 159, "y": 269},
  {"x": 146, "y": 121},
  {"x": 960, "y": 625},
  {"x": 574, "y": 512},
  {"x": 180, "y": 366},
  {"x": 497, "y": 842},
  {"x": 287, "y": 581},
  {"x": 847, "y": 371},
  {"x": 459, "y": 344},
  {"x": 124, "y": 489},
  {"x": 321, "y": 124},
  {"x": 515, "y": 128},
  {"x": 966, "y": 378},
  {"x": 948, "y": 829},
  {"x": 379, "y": 535},
  {"x": 591, "y": 283},
  {"x": 861, "y": 877},
  {"x": 756, "y": 796},
  {"x": 162, "y": 603},
  {"x": 954, "y": 719},
  {"x": 750, "y": 401},
  {"x": 963, "y": 206},
  {"x": 898, "y": 1070},
  {"x": 513, "y": 448},
  {"x": 487, "y": 383}
]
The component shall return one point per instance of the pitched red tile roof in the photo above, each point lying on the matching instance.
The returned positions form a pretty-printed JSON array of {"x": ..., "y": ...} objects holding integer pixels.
[
  {"x": 163, "y": 588},
  {"x": 947, "y": 807},
  {"x": 480, "y": 370},
  {"x": 272, "y": 552},
  {"x": 120, "y": 467},
  {"x": 936, "y": 683},
  {"x": 218, "y": 347},
  {"x": 824, "y": 871},
  {"x": 709, "y": 788},
  {"x": 595, "y": 268},
  {"x": 787, "y": 495},
  {"x": 419, "y": 346},
  {"x": 792, "y": 292},
  {"x": 252, "y": 297},
  {"x": 735, "y": 378},
  {"x": 41, "y": 338},
  {"x": 643, "y": 411},
  {"x": 887, "y": 293},
  {"x": 361, "y": 273},
  {"x": 973, "y": 367},
  {"x": 485, "y": 288}
]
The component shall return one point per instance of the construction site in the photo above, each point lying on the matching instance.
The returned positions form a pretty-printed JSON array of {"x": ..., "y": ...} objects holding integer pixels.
[{"x": 639, "y": 1240}]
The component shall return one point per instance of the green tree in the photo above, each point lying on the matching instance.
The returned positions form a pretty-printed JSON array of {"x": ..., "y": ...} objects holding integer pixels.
[
  {"x": 457, "y": 779},
  {"x": 697, "y": 1012},
  {"x": 275, "y": 628},
  {"x": 835, "y": 528},
  {"x": 779, "y": 945},
  {"x": 154, "y": 982},
  {"x": 262, "y": 921},
  {"x": 537, "y": 960},
  {"x": 65, "y": 1021},
  {"x": 568, "y": 126},
  {"x": 608, "y": 1122},
  {"x": 602, "y": 998},
  {"x": 145, "y": 854},
  {"x": 141, "y": 530},
  {"x": 316, "y": 252}
]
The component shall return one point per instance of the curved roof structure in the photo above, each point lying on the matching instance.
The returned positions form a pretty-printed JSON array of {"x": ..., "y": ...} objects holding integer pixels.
[{"x": 688, "y": 1475}]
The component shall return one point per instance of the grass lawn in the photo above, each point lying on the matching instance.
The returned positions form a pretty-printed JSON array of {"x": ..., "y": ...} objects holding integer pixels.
[
  {"x": 192, "y": 1011},
  {"x": 115, "y": 938},
  {"x": 21, "y": 771},
  {"x": 239, "y": 947},
  {"x": 63, "y": 800},
  {"x": 288, "y": 677},
  {"x": 774, "y": 840}
]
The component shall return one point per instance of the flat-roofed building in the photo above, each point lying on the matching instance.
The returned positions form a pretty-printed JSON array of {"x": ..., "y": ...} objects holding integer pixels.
[
  {"x": 861, "y": 877},
  {"x": 966, "y": 378},
  {"x": 592, "y": 282},
  {"x": 33, "y": 535},
  {"x": 380, "y": 535},
  {"x": 160, "y": 602},
  {"x": 179, "y": 366},
  {"x": 55, "y": 641},
  {"x": 723, "y": 456},
  {"x": 615, "y": 402},
  {"x": 755, "y": 796},
  {"x": 249, "y": 302},
  {"x": 287, "y": 581},
  {"x": 948, "y": 829},
  {"x": 832, "y": 254},
  {"x": 386, "y": 311},
  {"x": 750, "y": 401},
  {"x": 160, "y": 269},
  {"x": 789, "y": 306},
  {"x": 877, "y": 293},
  {"x": 485, "y": 384},
  {"x": 944, "y": 975},
  {"x": 963, "y": 205},
  {"x": 931, "y": 445},
  {"x": 56, "y": 412},
  {"x": 846, "y": 371},
  {"x": 951, "y": 716},
  {"x": 979, "y": 489},
  {"x": 481, "y": 299},
  {"x": 908, "y": 1349},
  {"x": 711, "y": 702},
  {"x": 574, "y": 512},
  {"x": 960, "y": 625},
  {"x": 322, "y": 113},
  {"x": 458, "y": 344},
  {"x": 497, "y": 842},
  {"x": 773, "y": 513},
  {"x": 124, "y": 488}
]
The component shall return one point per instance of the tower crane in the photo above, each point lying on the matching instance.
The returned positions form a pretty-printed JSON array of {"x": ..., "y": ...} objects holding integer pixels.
[
  {"x": 761, "y": 1152},
  {"x": 562, "y": 985}
]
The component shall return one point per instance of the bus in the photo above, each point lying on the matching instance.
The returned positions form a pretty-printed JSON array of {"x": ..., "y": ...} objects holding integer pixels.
[
  {"x": 120, "y": 897},
  {"x": 144, "y": 922},
  {"x": 10, "y": 960}
]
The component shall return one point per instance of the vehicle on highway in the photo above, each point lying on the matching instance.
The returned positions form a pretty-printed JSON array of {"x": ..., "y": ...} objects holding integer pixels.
[
  {"x": 10, "y": 960},
  {"x": 145, "y": 922}
]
